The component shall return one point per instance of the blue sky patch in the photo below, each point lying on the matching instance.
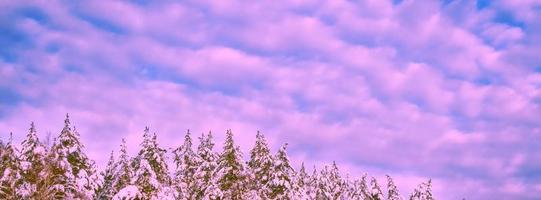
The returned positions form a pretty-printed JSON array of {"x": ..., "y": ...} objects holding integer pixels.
[
  {"x": 102, "y": 24},
  {"x": 34, "y": 13},
  {"x": 482, "y": 4},
  {"x": 9, "y": 96}
]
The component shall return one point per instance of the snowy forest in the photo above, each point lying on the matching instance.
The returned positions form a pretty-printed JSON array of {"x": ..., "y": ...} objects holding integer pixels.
[{"x": 61, "y": 170}]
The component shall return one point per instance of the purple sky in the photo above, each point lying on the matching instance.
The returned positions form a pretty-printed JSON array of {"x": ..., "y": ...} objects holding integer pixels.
[{"x": 448, "y": 90}]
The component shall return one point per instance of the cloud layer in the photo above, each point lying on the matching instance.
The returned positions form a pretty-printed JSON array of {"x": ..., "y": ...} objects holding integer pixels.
[{"x": 448, "y": 90}]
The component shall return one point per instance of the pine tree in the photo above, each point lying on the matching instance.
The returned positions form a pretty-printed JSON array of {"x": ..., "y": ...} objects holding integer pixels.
[
  {"x": 230, "y": 174},
  {"x": 186, "y": 166},
  {"x": 312, "y": 187},
  {"x": 423, "y": 192},
  {"x": 9, "y": 172},
  {"x": 347, "y": 188},
  {"x": 70, "y": 151},
  {"x": 427, "y": 194},
  {"x": 366, "y": 193},
  {"x": 330, "y": 182},
  {"x": 376, "y": 193},
  {"x": 301, "y": 183},
  {"x": 212, "y": 189},
  {"x": 260, "y": 167},
  {"x": 151, "y": 171},
  {"x": 417, "y": 193},
  {"x": 53, "y": 180},
  {"x": 155, "y": 157},
  {"x": 206, "y": 165},
  {"x": 281, "y": 182},
  {"x": 158, "y": 161},
  {"x": 355, "y": 191},
  {"x": 428, "y": 191},
  {"x": 146, "y": 179},
  {"x": 125, "y": 172},
  {"x": 32, "y": 158},
  {"x": 392, "y": 190},
  {"x": 105, "y": 189}
]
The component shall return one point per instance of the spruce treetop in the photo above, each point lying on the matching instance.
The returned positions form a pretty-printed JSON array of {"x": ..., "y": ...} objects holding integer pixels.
[
  {"x": 392, "y": 190},
  {"x": 376, "y": 192},
  {"x": 154, "y": 156},
  {"x": 31, "y": 145},
  {"x": 205, "y": 147},
  {"x": 124, "y": 173},
  {"x": 231, "y": 174}
]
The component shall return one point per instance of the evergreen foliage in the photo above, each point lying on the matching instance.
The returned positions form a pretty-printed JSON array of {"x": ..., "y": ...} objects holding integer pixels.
[
  {"x": 376, "y": 193},
  {"x": 186, "y": 166},
  {"x": 261, "y": 167},
  {"x": 301, "y": 183},
  {"x": 150, "y": 167},
  {"x": 105, "y": 189},
  {"x": 392, "y": 190},
  {"x": 124, "y": 172},
  {"x": 32, "y": 163},
  {"x": 330, "y": 182},
  {"x": 63, "y": 171},
  {"x": 9, "y": 171},
  {"x": 77, "y": 169},
  {"x": 230, "y": 174},
  {"x": 206, "y": 161},
  {"x": 52, "y": 182},
  {"x": 423, "y": 192},
  {"x": 281, "y": 178}
]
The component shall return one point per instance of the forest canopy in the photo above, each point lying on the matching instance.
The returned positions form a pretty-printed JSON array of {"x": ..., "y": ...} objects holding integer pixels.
[{"x": 62, "y": 170}]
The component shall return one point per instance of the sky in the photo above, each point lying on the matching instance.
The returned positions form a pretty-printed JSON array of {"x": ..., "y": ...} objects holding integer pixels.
[{"x": 417, "y": 89}]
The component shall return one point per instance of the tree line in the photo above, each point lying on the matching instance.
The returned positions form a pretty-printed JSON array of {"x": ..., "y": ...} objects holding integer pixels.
[{"x": 62, "y": 170}]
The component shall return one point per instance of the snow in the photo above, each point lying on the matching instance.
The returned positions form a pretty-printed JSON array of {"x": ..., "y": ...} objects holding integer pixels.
[
  {"x": 166, "y": 193},
  {"x": 39, "y": 150},
  {"x": 128, "y": 193}
]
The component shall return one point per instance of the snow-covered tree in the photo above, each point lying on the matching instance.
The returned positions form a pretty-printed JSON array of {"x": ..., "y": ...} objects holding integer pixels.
[
  {"x": 207, "y": 187},
  {"x": 155, "y": 157},
  {"x": 428, "y": 191},
  {"x": 32, "y": 159},
  {"x": 124, "y": 172},
  {"x": 146, "y": 180},
  {"x": 130, "y": 192},
  {"x": 186, "y": 165},
  {"x": 10, "y": 175},
  {"x": 105, "y": 189},
  {"x": 150, "y": 167},
  {"x": 230, "y": 173},
  {"x": 347, "y": 188},
  {"x": 375, "y": 192},
  {"x": 261, "y": 167},
  {"x": 281, "y": 180},
  {"x": 354, "y": 190},
  {"x": 69, "y": 150},
  {"x": 300, "y": 184},
  {"x": 330, "y": 182},
  {"x": 392, "y": 190},
  {"x": 212, "y": 189},
  {"x": 312, "y": 190},
  {"x": 423, "y": 192},
  {"x": 363, "y": 185},
  {"x": 56, "y": 180}
]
